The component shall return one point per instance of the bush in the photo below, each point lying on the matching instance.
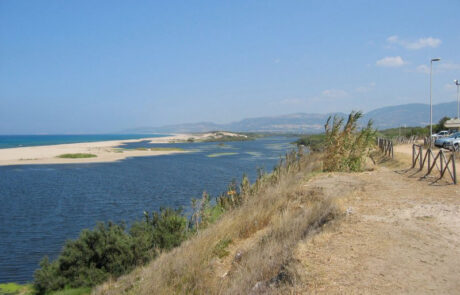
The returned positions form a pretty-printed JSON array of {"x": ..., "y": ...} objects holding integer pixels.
[
  {"x": 88, "y": 260},
  {"x": 314, "y": 142},
  {"x": 345, "y": 148},
  {"x": 108, "y": 250},
  {"x": 168, "y": 228}
]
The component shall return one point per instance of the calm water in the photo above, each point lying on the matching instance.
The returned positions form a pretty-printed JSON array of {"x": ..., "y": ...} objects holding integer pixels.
[
  {"x": 9, "y": 141},
  {"x": 43, "y": 205}
]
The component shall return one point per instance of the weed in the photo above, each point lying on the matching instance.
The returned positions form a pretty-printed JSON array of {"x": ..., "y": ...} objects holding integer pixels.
[{"x": 220, "y": 250}]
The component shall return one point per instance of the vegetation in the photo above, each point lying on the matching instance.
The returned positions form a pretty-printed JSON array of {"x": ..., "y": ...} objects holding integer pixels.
[
  {"x": 314, "y": 142},
  {"x": 413, "y": 131},
  {"x": 13, "y": 289},
  {"x": 404, "y": 132},
  {"x": 76, "y": 156},
  {"x": 75, "y": 291},
  {"x": 345, "y": 148},
  {"x": 220, "y": 250},
  {"x": 271, "y": 215},
  {"x": 221, "y": 136},
  {"x": 441, "y": 125},
  {"x": 110, "y": 251}
]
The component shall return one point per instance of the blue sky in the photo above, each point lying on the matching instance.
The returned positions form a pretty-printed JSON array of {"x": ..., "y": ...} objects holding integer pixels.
[{"x": 104, "y": 66}]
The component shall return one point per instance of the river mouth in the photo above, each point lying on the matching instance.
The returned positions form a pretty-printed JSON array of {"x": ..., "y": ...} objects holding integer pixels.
[{"x": 44, "y": 205}]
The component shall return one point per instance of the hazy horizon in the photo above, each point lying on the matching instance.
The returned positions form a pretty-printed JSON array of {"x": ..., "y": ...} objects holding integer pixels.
[{"x": 78, "y": 67}]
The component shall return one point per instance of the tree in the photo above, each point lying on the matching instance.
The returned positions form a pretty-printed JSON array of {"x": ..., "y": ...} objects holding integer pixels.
[{"x": 441, "y": 125}]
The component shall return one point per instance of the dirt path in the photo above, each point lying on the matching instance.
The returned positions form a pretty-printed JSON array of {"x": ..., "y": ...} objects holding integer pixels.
[{"x": 401, "y": 235}]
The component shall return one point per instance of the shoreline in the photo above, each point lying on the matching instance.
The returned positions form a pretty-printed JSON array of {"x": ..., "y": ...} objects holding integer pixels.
[
  {"x": 105, "y": 151},
  {"x": 101, "y": 151}
]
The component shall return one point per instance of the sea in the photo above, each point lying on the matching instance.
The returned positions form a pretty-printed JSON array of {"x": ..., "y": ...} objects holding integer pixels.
[
  {"x": 42, "y": 206},
  {"x": 11, "y": 141}
]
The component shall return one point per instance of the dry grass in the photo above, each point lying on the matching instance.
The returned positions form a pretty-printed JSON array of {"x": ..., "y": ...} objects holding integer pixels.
[{"x": 276, "y": 214}]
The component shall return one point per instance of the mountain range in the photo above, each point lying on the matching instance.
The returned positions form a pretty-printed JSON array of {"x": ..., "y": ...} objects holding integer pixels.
[{"x": 414, "y": 114}]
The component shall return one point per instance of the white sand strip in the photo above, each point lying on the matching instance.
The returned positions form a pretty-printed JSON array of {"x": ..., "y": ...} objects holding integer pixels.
[{"x": 105, "y": 151}]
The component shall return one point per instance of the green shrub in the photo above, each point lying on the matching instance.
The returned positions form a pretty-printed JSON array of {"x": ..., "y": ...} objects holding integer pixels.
[
  {"x": 165, "y": 229},
  {"x": 314, "y": 142},
  {"x": 108, "y": 250},
  {"x": 89, "y": 260},
  {"x": 76, "y": 156}
]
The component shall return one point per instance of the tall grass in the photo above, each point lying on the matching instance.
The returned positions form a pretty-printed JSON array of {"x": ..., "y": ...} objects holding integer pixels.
[{"x": 346, "y": 147}]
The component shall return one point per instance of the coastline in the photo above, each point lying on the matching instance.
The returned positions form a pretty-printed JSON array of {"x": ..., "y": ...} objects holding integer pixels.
[
  {"x": 105, "y": 151},
  {"x": 101, "y": 151}
]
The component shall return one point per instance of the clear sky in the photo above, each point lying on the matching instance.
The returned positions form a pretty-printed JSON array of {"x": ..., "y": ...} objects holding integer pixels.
[{"x": 105, "y": 66}]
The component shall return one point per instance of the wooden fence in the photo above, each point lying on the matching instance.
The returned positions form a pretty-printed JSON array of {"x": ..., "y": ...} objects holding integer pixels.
[
  {"x": 405, "y": 140},
  {"x": 386, "y": 147},
  {"x": 440, "y": 161},
  {"x": 426, "y": 141}
]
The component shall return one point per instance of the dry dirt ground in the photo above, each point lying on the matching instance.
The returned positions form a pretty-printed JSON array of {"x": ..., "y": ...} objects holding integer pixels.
[{"x": 400, "y": 235}]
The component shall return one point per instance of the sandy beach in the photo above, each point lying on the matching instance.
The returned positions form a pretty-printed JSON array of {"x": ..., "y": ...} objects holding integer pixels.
[{"x": 104, "y": 151}]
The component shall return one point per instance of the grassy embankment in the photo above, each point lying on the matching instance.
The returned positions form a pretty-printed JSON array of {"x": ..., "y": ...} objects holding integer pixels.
[
  {"x": 243, "y": 242},
  {"x": 275, "y": 213},
  {"x": 249, "y": 248}
]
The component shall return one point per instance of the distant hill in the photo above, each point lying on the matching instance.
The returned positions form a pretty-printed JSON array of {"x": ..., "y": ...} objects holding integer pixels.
[{"x": 415, "y": 114}]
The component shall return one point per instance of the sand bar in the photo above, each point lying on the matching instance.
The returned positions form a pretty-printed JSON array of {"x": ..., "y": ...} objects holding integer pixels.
[{"x": 105, "y": 151}]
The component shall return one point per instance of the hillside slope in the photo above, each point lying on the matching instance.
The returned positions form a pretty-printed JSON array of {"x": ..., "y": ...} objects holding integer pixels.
[{"x": 380, "y": 232}]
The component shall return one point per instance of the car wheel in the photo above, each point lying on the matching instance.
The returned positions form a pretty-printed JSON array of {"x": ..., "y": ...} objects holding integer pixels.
[
  {"x": 456, "y": 147},
  {"x": 444, "y": 145}
]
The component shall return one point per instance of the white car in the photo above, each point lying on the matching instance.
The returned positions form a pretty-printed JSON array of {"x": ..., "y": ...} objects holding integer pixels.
[
  {"x": 451, "y": 142},
  {"x": 443, "y": 133}
]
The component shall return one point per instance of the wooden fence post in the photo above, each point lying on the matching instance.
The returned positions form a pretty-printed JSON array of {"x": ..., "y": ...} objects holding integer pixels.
[
  {"x": 421, "y": 157},
  {"x": 392, "y": 151},
  {"x": 442, "y": 161},
  {"x": 454, "y": 170},
  {"x": 429, "y": 158}
]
